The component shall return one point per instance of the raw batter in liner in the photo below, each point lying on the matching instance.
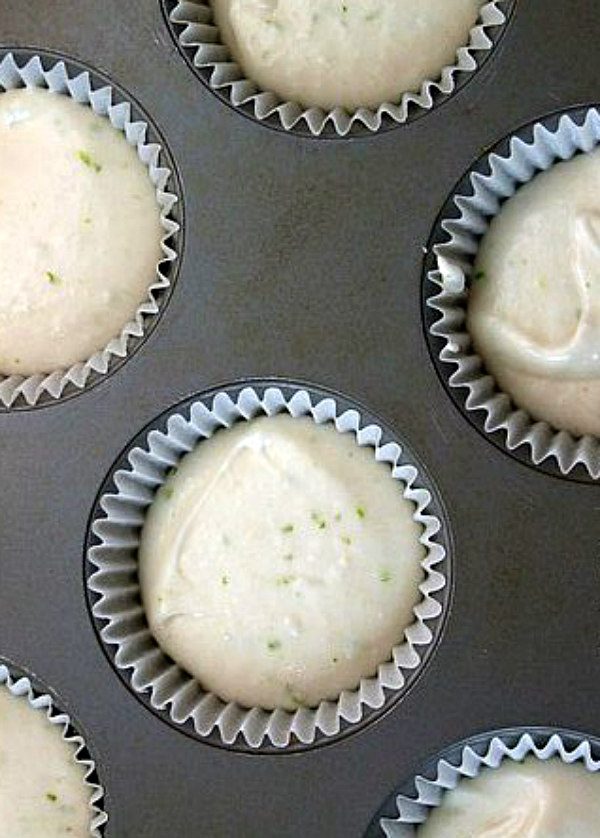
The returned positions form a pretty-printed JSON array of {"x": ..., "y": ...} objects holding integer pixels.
[
  {"x": 42, "y": 788},
  {"x": 281, "y": 563},
  {"x": 533, "y": 799},
  {"x": 346, "y": 53},
  {"x": 80, "y": 232},
  {"x": 534, "y": 304}
]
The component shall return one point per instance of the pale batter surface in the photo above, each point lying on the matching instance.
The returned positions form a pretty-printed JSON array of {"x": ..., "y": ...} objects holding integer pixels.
[
  {"x": 42, "y": 788},
  {"x": 533, "y": 799},
  {"x": 348, "y": 53},
  {"x": 534, "y": 304},
  {"x": 80, "y": 232},
  {"x": 281, "y": 563}
]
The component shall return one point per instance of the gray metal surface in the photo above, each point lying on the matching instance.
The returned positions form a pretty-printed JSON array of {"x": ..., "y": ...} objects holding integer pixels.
[{"x": 303, "y": 259}]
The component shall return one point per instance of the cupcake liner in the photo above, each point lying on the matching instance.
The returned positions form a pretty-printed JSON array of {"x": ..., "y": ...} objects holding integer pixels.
[
  {"x": 192, "y": 25},
  {"x": 21, "y": 687},
  {"x": 503, "y": 172},
  {"x": 470, "y": 758},
  {"x": 116, "y": 601},
  {"x": 107, "y": 102}
]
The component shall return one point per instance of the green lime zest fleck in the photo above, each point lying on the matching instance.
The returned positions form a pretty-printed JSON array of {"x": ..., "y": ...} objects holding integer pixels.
[
  {"x": 225, "y": 580},
  {"x": 53, "y": 278},
  {"x": 273, "y": 645},
  {"x": 334, "y": 660},
  {"x": 87, "y": 220},
  {"x": 346, "y": 540},
  {"x": 337, "y": 516},
  {"x": 479, "y": 275},
  {"x": 288, "y": 557},
  {"x": 284, "y": 580},
  {"x": 167, "y": 492},
  {"x": 385, "y": 575},
  {"x": 295, "y": 699},
  {"x": 287, "y": 528},
  {"x": 87, "y": 160},
  {"x": 319, "y": 520},
  {"x": 51, "y": 796},
  {"x": 360, "y": 511}
]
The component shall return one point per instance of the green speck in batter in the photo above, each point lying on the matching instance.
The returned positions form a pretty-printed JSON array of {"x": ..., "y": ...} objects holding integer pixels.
[
  {"x": 51, "y": 796},
  {"x": 273, "y": 645},
  {"x": 287, "y": 528},
  {"x": 385, "y": 575},
  {"x": 86, "y": 158},
  {"x": 479, "y": 275},
  {"x": 319, "y": 520},
  {"x": 360, "y": 512}
]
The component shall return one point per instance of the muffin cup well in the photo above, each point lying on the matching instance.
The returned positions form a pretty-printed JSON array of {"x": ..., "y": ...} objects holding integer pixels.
[
  {"x": 411, "y": 807},
  {"x": 19, "y": 685},
  {"x": 115, "y": 591},
  {"x": 26, "y": 69},
  {"x": 192, "y": 25},
  {"x": 453, "y": 247}
]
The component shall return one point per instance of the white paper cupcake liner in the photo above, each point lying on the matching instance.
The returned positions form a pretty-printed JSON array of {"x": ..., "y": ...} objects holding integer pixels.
[
  {"x": 107, "y": 102},
  {"x": 21, "y": 687},
  {"x": 454, "y": 258},
  {"x": 497, "y": 747},
  {"x": 192, "y": 23},
  {"x": 117, "y": 602}
]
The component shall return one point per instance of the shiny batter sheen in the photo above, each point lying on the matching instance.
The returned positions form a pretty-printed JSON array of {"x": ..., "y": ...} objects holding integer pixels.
[
  {"x": 42, "y": 788},
  {"x": 533, "y": 799},
  {"x": 347, "y": 53},
  {"x": 534, "y": 305},
  {"x": 281, "y": 563},
  {"x": 80, "y": 232}
]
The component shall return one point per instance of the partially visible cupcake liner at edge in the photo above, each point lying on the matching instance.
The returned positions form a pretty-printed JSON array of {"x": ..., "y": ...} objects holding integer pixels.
[
  {"x": 115, "y": 590},
  {"x": 192, "y": 25},
  {"x": 21, "y": 686},
  {"x": 455, "y": 244},
  {"x": 409, "y": 809},
  {"x": 83, "y": 86}
]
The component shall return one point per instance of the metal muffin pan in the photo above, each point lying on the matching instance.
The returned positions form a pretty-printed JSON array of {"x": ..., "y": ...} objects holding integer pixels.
[{"x": 303, "y": 259}]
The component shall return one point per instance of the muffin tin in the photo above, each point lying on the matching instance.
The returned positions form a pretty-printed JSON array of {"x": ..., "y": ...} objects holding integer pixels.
[{"x": 303, "y": 259}]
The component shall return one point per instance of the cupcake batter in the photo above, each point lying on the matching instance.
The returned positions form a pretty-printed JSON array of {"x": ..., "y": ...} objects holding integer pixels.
[
  {"x": 42, "y": 788},
  {"x": 80, "y": 232},
  {"x": 346, "y": 53},
  {"x": 534, "y": 305},
  {"x": 281, "y": 563},
  {"x": 533, "y": 799}
]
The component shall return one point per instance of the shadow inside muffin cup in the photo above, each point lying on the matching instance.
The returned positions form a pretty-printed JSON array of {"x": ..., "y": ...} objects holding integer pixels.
[
  {"x": 114, "y": 594},
  {"x": 28, "y": 687},
  {"x": 448, "y": 270},
  {"x": 24, "y": 67},
  {"x": 410, "y": 804},
  {"x": 192, "y": 26}
]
